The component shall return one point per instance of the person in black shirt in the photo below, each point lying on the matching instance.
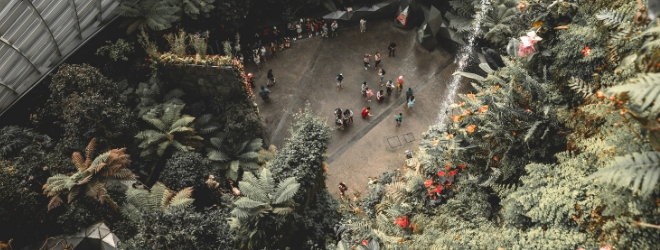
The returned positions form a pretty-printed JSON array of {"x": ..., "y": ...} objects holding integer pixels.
[{"x": 391, "y": 49}]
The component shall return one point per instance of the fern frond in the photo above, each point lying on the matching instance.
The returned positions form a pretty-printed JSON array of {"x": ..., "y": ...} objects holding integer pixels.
[
  {"x": 54, "y": 202},
  {"x": 286, "y": 192},
  {"x": 247, "y": 203},
  {"x": 578, "y": 85},
  {"x": 611, "y": 18},
  {"x": 531, "y": 130},
  {"x": 642, "y": 168},
  {"x": 644, "y": 91},
  {"x": 470, "y": 75}
]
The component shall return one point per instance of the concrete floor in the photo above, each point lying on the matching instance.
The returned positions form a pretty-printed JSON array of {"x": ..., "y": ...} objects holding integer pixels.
[{"x": 307, "y": 71}]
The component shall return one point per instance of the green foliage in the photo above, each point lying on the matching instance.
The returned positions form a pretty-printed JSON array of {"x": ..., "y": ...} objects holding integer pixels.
[
  {"x": 181, "y": 230},
  {"x": 153, "y": 14},
  {"x": 303, "y": 155},
  {"x": 498, "y": 24},
  {"x": 15, "y": 140},
  {"x": 642, "y": 169},
  {"x": 85, "y": 104},
  {"x": 172, "y": 130},
  {"x": 239, "y": 158},
  {"x": 267, "y": 206},
  {"x": 195, "y": 8},
  {"x": 116, "y": 51},
  {"x": 185, "y": 169}
]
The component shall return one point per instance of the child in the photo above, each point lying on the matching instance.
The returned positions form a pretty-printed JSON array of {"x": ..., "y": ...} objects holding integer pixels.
[
  {"x": 399, "y": 118},
  {"x": 369, "y": 94},
  {"x": 411, "y": 102},
  {"x": 380, "y": 95},
  {"x": 264, "y": 93}
]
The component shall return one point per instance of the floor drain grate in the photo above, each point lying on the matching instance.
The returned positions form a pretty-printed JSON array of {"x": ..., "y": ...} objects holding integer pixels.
[
  {"x": 409, "y": 137},
  {"x": 394, "y": 141}
]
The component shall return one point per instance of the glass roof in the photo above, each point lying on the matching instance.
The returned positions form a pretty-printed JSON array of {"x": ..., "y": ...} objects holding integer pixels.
[{"x": 37, "y": 35}]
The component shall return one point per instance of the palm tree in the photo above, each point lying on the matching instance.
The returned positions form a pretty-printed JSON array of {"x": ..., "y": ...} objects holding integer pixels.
[
  {"x": 172, "y": 130},
  {"x": 263, "y": 210},
  {"x": 91, "y": 178},
  {"x": 245, "y": 157},
  {"x": 152, "y": 14}
]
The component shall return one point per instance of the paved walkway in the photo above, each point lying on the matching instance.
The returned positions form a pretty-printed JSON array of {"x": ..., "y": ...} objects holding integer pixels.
[{"x": 306, "y": 73}]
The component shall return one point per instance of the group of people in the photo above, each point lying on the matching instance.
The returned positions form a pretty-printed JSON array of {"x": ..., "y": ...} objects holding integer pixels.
[
  {"x": 343, "y": 117},
  {"x": 313, "y": 27}
]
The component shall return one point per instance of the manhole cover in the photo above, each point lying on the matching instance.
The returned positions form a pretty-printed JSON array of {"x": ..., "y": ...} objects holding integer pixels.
[
  {"x": 409, "y": 137},
  {"x": 394, "y": 141}
]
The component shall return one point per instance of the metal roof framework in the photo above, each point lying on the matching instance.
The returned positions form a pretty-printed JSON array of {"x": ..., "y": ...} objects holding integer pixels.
[{"x": 36, "y": 36}]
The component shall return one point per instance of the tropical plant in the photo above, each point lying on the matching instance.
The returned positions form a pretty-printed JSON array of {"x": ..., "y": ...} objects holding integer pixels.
[
  {"x": 92, "y": 177},
  {"x": 85, "y": 104},
  {"x": 265, "y": 208},
  {"x": 171, "y": 130},
  {"x": 164, "y": 219},
  {"x": 195, "y": 8},
  {"x": 116, "y": 51},
  {"x": 185, "y": 169},
  {"x": 497, "y": 25},
  {"x": 153, "y": 14},
  {"x": 16, "y": 140},
  {"x": 243, "y": 157}
]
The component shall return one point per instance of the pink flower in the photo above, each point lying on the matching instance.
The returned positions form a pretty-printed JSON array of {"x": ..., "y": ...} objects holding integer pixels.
[
  {"x": 441, "y": 173},
  {"x": 365, "y": 242},
  {"x": 428, "y": 183},
  {"x": 527, "y": 43},
  {"x": 586, "y": 51}
]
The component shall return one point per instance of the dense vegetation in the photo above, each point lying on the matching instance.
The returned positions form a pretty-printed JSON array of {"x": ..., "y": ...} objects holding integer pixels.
[{"x": 557, "y": 148}]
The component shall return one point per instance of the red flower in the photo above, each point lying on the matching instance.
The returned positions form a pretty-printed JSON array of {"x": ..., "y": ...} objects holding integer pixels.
[
  {"x": 462, "y": 166},
  {"x": 428, "y": 183},
  {"x": 441, "y": 173},
  {"x": 438, "y": 189},
  {"x": 365, "y": 242},
  {"x": 402, "y": 222},
  {"x": 453, "y": 172},
  {"x": 586, "y": 51},
  {"x": 448, "y": 166}
]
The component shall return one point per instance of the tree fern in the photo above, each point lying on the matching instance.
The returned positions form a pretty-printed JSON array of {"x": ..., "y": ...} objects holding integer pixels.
[
  {"x": 642, "y": 169},
  {"x": 172, "y": 131},
  {"x": 91, "y": 178},
  {"x": 153, "y": 14},
  {"x": 644, "y": 90},
  {"x": 240, "y": 158},
  {"x": 611, "y": 18}
]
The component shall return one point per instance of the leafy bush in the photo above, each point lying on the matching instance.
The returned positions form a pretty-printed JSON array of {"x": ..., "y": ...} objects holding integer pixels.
[{"x": 185, "y": 169}]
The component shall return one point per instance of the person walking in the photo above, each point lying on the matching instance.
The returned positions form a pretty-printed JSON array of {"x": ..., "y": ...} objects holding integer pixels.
[
  {"x": 265, "y": 94},
  {"x": 399, "y": 83},
  {"x": 380, "y": 95},
  {"x": 366, "y": 60},
  {"x": 257, "y": 61},
  {"x": 364, "y": 88},
  {"x": 340, "y": 78},
  {"x": 273, "y": 49},
  {"x": 324, "y": 34},
  {"x": 334, "y": 26},
  {"x": 377, "y": 59},
  {"x": 263, "y": 53},
  {"x": 298, "y": 30},
  {"x": 392, "y": 48},
  {"x": 369, "y": 94},
  {"x": 399, "y": 118},
  {"x": 390, "y": 87},
  {"x": 270, "y": 77},
  {"x": 366, "y": 112},
  {"x": 409, "y": 93},
  {"x": 363, "y": 25},
  {"x": 411, "y": 102},
  {"x": 342, "y": 188},
  {"x": 381, "y": 74}
]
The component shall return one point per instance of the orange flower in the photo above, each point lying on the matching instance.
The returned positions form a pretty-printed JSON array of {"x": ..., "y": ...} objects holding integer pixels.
[
  {"x": 462, "y": 104},
  {"x": 471, "y": 96},
  {"x": 325, "y": 167},
  {"x": 496, "y": 88},
  {"x": 495, "y": 158},
  {"x": 513, "y": 133},
  {"x": 537, "y": 24},
  {"x": 455, "y": 118},
  {"x": 468, "y": 112},
  {"x": 435, "y": 142},
  {"x": 471, "y": 128},
  {"x": 480, "y": 93},
  {"x": 450, "y": 136},
  {"x": 483, "y": 108}
]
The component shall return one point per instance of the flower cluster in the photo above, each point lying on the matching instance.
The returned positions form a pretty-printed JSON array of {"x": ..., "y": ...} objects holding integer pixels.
[{"x": 527, "y": 44}]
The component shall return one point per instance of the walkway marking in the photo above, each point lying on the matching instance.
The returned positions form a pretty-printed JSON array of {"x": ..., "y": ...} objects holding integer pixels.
[
  {"x": 409, "y": 137},
  {"x": 383, "y": 115},
  {"x": 394, "y": 140}
]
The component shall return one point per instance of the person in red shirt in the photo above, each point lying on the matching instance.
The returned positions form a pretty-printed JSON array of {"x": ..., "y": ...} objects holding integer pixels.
[
  {"x": 366, "y": 112},
  {"x": 399, "y": 85}
]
